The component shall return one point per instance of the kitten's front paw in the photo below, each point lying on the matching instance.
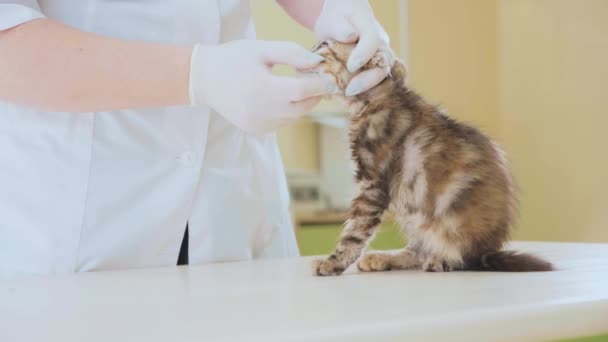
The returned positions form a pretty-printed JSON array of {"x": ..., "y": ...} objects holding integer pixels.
[
  {"x": 326, "y": 268},
  {"x": 374, "y": 262},
  {"x": 436, "y": 265}
]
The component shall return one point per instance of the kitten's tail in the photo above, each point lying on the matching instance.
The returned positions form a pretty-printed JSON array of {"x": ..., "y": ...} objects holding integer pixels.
[{"x": 511, "y": 261}]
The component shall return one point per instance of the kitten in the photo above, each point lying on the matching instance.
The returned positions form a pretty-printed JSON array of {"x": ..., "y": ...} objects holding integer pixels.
[{"x": 448, "y": 184}]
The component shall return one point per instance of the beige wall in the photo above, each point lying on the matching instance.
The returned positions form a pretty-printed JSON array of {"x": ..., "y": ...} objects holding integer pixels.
[
  {"x": 453, "y": 57},
  {"x": 553, "y": 114}
]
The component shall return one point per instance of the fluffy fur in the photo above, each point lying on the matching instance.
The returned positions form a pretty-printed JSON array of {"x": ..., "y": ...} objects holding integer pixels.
[{"x": 448, "y": 185}]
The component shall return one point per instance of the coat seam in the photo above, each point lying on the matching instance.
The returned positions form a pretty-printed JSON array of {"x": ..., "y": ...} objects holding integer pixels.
[{"x": 86, "y": 196}]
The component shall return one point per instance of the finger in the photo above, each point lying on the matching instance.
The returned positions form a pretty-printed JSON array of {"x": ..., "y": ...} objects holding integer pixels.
[
  {"x": 300, "y": 108},
  {"x": 288, "y": 53},
  {"x": 371, "y": 38},
  {"x": 340, "y": 30},
  {"x": 366, "y": 80},
  {"x": 305, "y": 86}
]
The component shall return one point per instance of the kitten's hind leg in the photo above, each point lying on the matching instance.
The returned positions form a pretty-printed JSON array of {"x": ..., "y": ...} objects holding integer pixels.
[
  {"x": 404, "y": 259},
  {"x": 366, "y": 215}
]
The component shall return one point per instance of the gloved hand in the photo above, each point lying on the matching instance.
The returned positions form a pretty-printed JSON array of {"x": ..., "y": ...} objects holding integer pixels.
[
  {"x": 349, "y": 21},
  {"x": 235, "y": 80}
]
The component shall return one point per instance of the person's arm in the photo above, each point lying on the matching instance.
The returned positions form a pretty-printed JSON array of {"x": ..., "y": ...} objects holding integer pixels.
[{"x": 51, "y": 66}]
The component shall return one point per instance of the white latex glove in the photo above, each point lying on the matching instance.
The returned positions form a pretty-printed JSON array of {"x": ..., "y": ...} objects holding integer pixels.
[
  {"x": 349, "y": 21},
  {"x": 235, "y": 80}
]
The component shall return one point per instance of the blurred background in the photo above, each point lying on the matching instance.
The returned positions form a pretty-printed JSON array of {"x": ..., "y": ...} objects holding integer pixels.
[{"x": 531, "y": 74}]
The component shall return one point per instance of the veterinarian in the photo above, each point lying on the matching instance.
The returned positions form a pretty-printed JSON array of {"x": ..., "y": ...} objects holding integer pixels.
[{"x": 122, "y": 123}]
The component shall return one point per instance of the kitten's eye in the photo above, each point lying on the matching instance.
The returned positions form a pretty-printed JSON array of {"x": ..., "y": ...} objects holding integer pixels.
[{"x": 321, "y": 45}]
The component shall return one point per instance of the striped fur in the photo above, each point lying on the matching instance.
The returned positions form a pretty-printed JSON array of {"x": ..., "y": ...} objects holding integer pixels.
[{"x": 447, "y": 183}]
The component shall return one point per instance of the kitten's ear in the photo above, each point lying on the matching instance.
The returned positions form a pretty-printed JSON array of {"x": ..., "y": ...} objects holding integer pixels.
[
  {"x": 398, "y": 71},
  {"x": 383, "y": 58}
]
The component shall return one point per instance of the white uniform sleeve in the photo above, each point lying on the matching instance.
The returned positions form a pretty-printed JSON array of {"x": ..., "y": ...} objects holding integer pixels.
[{"x": 16, "y": 12}]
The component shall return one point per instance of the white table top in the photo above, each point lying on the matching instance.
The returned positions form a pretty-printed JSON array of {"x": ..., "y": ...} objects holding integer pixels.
[{"x": 279, "y": 300}]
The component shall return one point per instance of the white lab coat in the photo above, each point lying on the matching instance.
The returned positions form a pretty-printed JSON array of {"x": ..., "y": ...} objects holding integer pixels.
[{"x": 108, "y": 190}]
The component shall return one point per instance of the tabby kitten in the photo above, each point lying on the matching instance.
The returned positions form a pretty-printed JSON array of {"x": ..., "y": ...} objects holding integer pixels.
[{"x": 448, "y": 184}]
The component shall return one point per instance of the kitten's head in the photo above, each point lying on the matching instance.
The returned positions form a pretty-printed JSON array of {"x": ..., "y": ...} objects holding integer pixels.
[{"x": 336, "y": 56}]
